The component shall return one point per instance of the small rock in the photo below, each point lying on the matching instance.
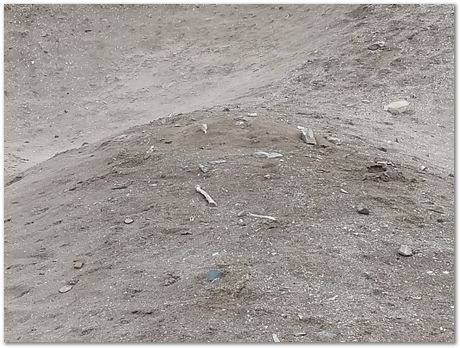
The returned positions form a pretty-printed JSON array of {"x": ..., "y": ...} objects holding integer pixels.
[
  {"x": 129, "y": 221},
  {"x": 422, "y": 168},
  {"x": 65, "y": 288},
  {"x": 214, "y": 275},
  {"x": 78, "y": 264},
  {"x": 334, "y": 140},
  {"x": 378, "y": 45},
  {"x": 275, "y": 338},
  {"x": 226, "y": 109},
  {"x": 377, "y": 168},
  {"x": 241, "y": 213},
  {"x": 307, "y": 135},
  {"x": 397, "y": 107},
  {"x": 171, "y": 278},
  {"x": 252, "y": 114},
  {"x": 343, "y": 191},
  {"x": 383, "y": 149},
  {"x": 217, "y": 162},
  {"x": 404, "y": 250},
  {"x": 361, "y": 209},
  {"x": 241, "y": 222},
  {"x": 451, "y": 175},
  {"x": 263, "y": 154},
  {"x": 185, "y": 233},
  {"x": 298, "y": 334},
  {"x": 204, "y": 128},
  {"x": 203, "y": 168},
  {"x": 437, "y": 209},
  {"x": 440, "y": 220},
  {"x": 72, "y": 281}
]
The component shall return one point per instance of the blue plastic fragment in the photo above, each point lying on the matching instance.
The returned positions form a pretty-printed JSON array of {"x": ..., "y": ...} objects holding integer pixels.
[{"x": 214, "y": 275}]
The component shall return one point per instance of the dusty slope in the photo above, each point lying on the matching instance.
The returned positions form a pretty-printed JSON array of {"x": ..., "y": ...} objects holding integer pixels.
[
  {"x": 76, "y": 74},
  {"x": 322, "y": 269}
]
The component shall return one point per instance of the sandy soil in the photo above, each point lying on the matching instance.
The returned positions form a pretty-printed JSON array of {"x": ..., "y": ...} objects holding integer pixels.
[{"x": 116, "y": 95}]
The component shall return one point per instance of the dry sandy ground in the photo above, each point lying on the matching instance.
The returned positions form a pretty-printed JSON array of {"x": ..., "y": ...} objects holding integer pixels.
[{"x": 78, "y": 77}]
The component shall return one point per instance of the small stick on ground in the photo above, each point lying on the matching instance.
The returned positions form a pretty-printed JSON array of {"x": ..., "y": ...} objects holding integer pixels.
[
  {"x": 211, "y": 201},
  {"x": 263, "y": 217}
]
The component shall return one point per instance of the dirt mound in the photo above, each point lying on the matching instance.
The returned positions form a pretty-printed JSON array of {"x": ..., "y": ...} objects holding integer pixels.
[{"x": 320, "y": 261}]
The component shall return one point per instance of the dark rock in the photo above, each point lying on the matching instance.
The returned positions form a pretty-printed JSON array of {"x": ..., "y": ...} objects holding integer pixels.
[{"x": 361, "y": 209}]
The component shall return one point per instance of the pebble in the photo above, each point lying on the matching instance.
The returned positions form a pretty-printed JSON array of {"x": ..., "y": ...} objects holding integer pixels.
[
  {"x": 376, "y": 46},
  {"x": 334, "y": 140},
  {"x": 129, "y": 221},
  {"x": 307, "y": 135},
  {"x": 263, "y": 154},
  {"x": 275, "y": 338},
  {"x": 397, "y": 107},
  {"x": 65, "y": 288},
  {"x": 218, "y": 162},
  {"x": 405, "y": 250},
  {"x": 226, "y": 109},
  {"x": 203, "y": 168},
  {"x": 362, "y": 210},
  {"x": 214, "y": 275},
  {"x": 78, "y": 264},
  {"x": 298, "y": 334},
  {"x": 252, "y": 114}
]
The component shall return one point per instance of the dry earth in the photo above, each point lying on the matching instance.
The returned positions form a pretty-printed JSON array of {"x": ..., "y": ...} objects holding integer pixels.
[{"x": 90, "y": 82}]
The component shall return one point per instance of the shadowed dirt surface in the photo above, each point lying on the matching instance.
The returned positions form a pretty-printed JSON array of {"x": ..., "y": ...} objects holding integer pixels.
[{"x": 117, "y": 95}]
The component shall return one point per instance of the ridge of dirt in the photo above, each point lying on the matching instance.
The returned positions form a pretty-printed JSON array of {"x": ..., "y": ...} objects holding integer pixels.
[{"x": 322, "y": 272}]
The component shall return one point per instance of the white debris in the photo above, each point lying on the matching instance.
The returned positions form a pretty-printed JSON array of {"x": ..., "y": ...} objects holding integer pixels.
[
  {"x": 211, "y": 201},
  {"x": 263, "y": 216},
  {"x": 204, "y": 128},
  {"x": 307, "y": 135},
  {"x": 263, "y": 154},
  {"x": 397, "y": 107}
]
